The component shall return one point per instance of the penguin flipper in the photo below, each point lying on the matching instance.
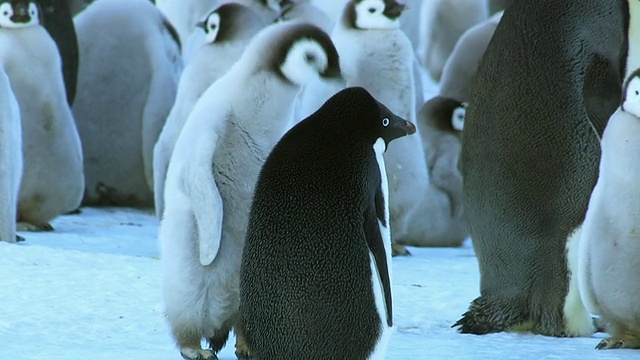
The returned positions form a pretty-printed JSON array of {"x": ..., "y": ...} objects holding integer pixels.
[
  {"x": 206, "y": 200},
  {"x": 376, "y": 246},
  {"x": 602, "y": 92}
]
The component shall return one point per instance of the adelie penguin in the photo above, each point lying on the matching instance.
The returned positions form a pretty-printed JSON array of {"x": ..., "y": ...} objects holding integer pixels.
[
  {"x": 610, "y": 243},
  {"x": 316, "y": 268},
  {"x": 530, "y": 157}
]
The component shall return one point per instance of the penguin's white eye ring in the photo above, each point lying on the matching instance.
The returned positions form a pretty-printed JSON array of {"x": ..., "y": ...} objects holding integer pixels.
[{"x": 385, "y": 122}]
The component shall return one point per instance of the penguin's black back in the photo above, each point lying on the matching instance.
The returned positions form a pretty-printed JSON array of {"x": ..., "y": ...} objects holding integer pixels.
[
  {"x": 530, "y": 155},
  {"x": 57, "y": 19},
  {"x": 305, "y": 288}
]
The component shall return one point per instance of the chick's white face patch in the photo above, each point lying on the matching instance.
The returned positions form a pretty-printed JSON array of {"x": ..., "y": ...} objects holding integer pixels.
[
  {"x": 632, "y": 97},
  {"x": 212, "y": 27},
  {"x": 457, "y": 118}
]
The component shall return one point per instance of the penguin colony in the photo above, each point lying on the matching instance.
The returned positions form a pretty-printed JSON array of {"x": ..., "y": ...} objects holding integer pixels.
[{"x": 288, "y": 153}]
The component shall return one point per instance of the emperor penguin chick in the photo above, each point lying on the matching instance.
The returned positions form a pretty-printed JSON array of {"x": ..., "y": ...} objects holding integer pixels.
[
  {"x": 440, "y": 122},
  {"x": 227, "y": 29},
  {"x": 212, "y": 174},
  {"x": 610, "y": 242},
  {"x": 376, "y": 55},
  {"x": 127, "y": 83},
  {"x": 316, "y": 268},
  {"x": 184, "y": 14},
  {"x": 52, "y": 180},
  {"x": 10, "y": 158}
]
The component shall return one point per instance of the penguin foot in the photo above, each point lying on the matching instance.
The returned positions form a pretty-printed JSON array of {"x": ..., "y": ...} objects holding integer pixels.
[
  {"x": 19, "y": 238},
  {"x": 399, "y": 250},
  {"x": 619, "y": 342},
  {"x": 242, "y": 351},
  {"x": 198, "y": 354},
  {"x": 484, "y": 318},
  {"x": 26, "y": 226}
]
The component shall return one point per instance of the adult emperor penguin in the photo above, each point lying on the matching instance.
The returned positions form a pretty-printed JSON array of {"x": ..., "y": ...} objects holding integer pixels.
[
  {"x": 442, "y": 24},
  {"x": 609, "y": 243},
  {"x": 461, "y": 66},
  {"x": 234, "y": 125},
  {"x": 127, "y": 83},
  {"x": 228, "y": 29},
  {"x": 52, "y": 180},
  {"x": 58, "y": 21},
  {"x": 498, "y": 5},
  {"x": 184, "y": 14},
  {"x": 316, "y": 268},
  {"x": 440, "y": 122},
  {"x": 10, "y": 155},
  {"x": 377, "y": 55},
  {"x": 530, "y": 158}
]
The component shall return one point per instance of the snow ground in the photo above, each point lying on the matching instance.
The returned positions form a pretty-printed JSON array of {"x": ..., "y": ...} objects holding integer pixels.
[{"x": 91, "y": 290}]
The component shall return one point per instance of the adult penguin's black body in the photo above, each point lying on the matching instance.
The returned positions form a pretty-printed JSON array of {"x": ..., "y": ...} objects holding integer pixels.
[
  {"x": 315, "y": 276},
  {"x": 530, "y": 158},
  {"x": 58, "y": 21}
]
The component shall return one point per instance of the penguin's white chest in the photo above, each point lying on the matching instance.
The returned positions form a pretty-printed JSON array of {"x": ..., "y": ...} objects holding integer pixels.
[{"x": 380, "y": 349}]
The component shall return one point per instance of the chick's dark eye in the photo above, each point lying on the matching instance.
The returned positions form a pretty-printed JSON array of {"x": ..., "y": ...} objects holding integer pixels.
[
  {"x": 637, "y": 92},
  {"x": 372, "y": 10},
  {"x": 309, "y": 58}
]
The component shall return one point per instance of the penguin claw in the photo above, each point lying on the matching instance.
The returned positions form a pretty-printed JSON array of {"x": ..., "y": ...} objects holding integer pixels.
[
  {"x": 618, "y": 343},
  {"x": 399, "y": 250},
  {"x": 200, "y": 354},
  {"x": 27, "y": 226}
]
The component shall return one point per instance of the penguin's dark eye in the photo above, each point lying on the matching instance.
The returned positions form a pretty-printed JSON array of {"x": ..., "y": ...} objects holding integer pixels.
[
  {"x": 372, "y": 10},
  {"x": 385, "y": 122},
  {"x": 6, "y": 13},
  {"x": 213, "y": 27},
  {"x": 309, "y": 58},
  {"x": 637, "y": 92}
]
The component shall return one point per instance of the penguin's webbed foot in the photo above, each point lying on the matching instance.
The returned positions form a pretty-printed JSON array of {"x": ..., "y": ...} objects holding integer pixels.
[
  {"x": 399, "y": 250},
  {"x": 619, "y": 342},
  {"x": 27, "y": 226},
  {"x": 242, "y": 351},
  {"x": 198, "y": 354}
]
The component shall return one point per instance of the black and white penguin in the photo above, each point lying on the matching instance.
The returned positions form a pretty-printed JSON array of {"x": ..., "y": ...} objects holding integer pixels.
[
  {"x": 52, "y": 182},
  {"x": 315, "y": 279},
  {"x": 609, "y": 247},
  {"x": 127, "y": 83},
  {"x": 58, "y": 20},
  {"x": 227, "y": 30},
  {"x": 10, "y": 158},
  {"x": 530, "y": 158},
  {"x": 212, "y": 174}
]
